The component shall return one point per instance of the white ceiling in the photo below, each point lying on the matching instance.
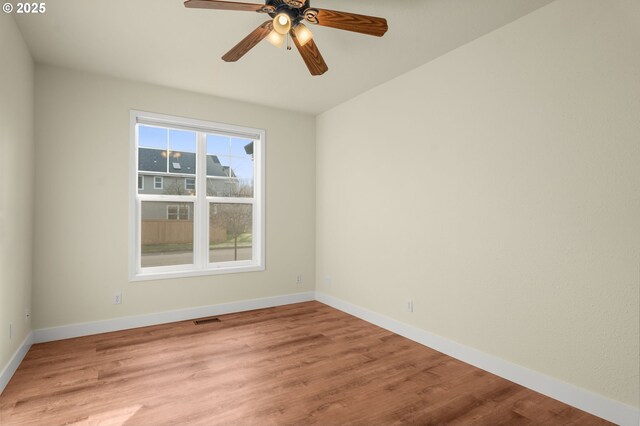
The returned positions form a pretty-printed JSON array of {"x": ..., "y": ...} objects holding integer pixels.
[{"x": 162, "y": 42}]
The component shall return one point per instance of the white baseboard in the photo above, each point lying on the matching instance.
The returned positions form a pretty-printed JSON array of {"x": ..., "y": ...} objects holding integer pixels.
[
  {"x": 15, "y": 361},
  {"x": 125, "y": 323},
  {"x": 608, "y": 409}
]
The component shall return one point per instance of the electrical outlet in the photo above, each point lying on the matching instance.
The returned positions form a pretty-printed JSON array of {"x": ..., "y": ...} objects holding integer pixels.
[
  {"x": 299, "y": 279},
  {"x": 117, "y": 298},
  {"x": 327, "y": 279},
  {"x": 409, "y": 305}
]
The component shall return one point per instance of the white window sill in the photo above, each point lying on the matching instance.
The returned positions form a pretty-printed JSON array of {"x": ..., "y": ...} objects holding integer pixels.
[{"x": 148, "y": 276}]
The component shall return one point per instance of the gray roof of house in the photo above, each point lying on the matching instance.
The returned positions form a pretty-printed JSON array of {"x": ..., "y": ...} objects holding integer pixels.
[{"x": 153, "y": 160}]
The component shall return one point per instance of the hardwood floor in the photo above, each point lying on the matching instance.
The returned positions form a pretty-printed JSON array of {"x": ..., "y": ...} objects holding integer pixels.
[{"x": 298, "y": 364}]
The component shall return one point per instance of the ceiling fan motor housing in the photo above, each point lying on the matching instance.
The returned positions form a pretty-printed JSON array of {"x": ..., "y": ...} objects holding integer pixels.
[{"x": 294, "y": 8}]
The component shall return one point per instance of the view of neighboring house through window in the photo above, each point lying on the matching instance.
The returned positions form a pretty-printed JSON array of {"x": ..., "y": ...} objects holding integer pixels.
[{"x": 203, "y": 213}]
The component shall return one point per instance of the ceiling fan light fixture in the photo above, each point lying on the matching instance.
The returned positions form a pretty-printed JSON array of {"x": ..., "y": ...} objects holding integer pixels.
[
  {"x": 303, "y": 34},
  {"x": 282, "y": 23},
  {"x": 275, "y": 38}
]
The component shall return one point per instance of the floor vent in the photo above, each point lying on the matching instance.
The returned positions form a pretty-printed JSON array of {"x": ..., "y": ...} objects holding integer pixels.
[{"x": 208, "y": 320}]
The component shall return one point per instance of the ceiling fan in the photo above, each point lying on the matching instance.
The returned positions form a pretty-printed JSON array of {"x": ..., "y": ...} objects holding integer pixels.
[{"x": 287, "y": 17}]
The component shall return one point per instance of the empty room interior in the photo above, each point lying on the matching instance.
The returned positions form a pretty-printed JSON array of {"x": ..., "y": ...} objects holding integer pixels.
[{"x": 329, "y": 212}]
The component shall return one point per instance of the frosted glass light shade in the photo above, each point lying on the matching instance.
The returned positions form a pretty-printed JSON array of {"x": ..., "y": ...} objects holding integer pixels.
[
  {"x": 303, "y": 34},
  {"x": 282, "y": 23},
  {"x": 275, "y": 38}
]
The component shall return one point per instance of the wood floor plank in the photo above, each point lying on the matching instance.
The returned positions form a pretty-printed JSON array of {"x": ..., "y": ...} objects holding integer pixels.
[{"x": 302, "y": 364}]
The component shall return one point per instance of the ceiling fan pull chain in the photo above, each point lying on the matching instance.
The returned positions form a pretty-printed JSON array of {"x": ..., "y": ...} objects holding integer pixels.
[{"x": 288, "y": 42}]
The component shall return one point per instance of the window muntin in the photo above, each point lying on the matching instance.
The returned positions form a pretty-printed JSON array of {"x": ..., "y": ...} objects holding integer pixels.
[
  {"x": 217, "y": 230},
  {"x": 166, "y": 150},
  {"x": 230, "y": 166}
]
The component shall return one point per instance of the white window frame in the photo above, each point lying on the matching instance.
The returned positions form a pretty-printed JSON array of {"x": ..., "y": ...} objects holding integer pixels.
[
  {"x": 186, "y": 188},
  {"x": 140, "y": 181},
  {"x": 201, "y": 202},
  {"x": 155, "y": 186}
]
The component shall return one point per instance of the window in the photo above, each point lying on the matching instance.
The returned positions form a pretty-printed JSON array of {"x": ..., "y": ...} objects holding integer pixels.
[
  {"x": 178, "y": 212},
  {"x": 205, "y": 213},
  {"x": 190, "y": 184},
  {"x": 158, "y": 182}
]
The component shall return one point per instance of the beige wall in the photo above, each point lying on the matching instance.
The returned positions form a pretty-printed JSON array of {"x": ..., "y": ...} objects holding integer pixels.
[
  {"x": 499, "y": 188},
  {"x": 82, "y": 158},
  {"x": 16, "y": 186}
]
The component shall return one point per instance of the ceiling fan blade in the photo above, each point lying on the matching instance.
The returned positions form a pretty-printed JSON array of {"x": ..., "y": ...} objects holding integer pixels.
[
  {"x": 224, "y": 5},
  {"x": 311, "y": 56},
  {"x": 370, "y": 25},
  {"x": 249, "y": 42}
]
